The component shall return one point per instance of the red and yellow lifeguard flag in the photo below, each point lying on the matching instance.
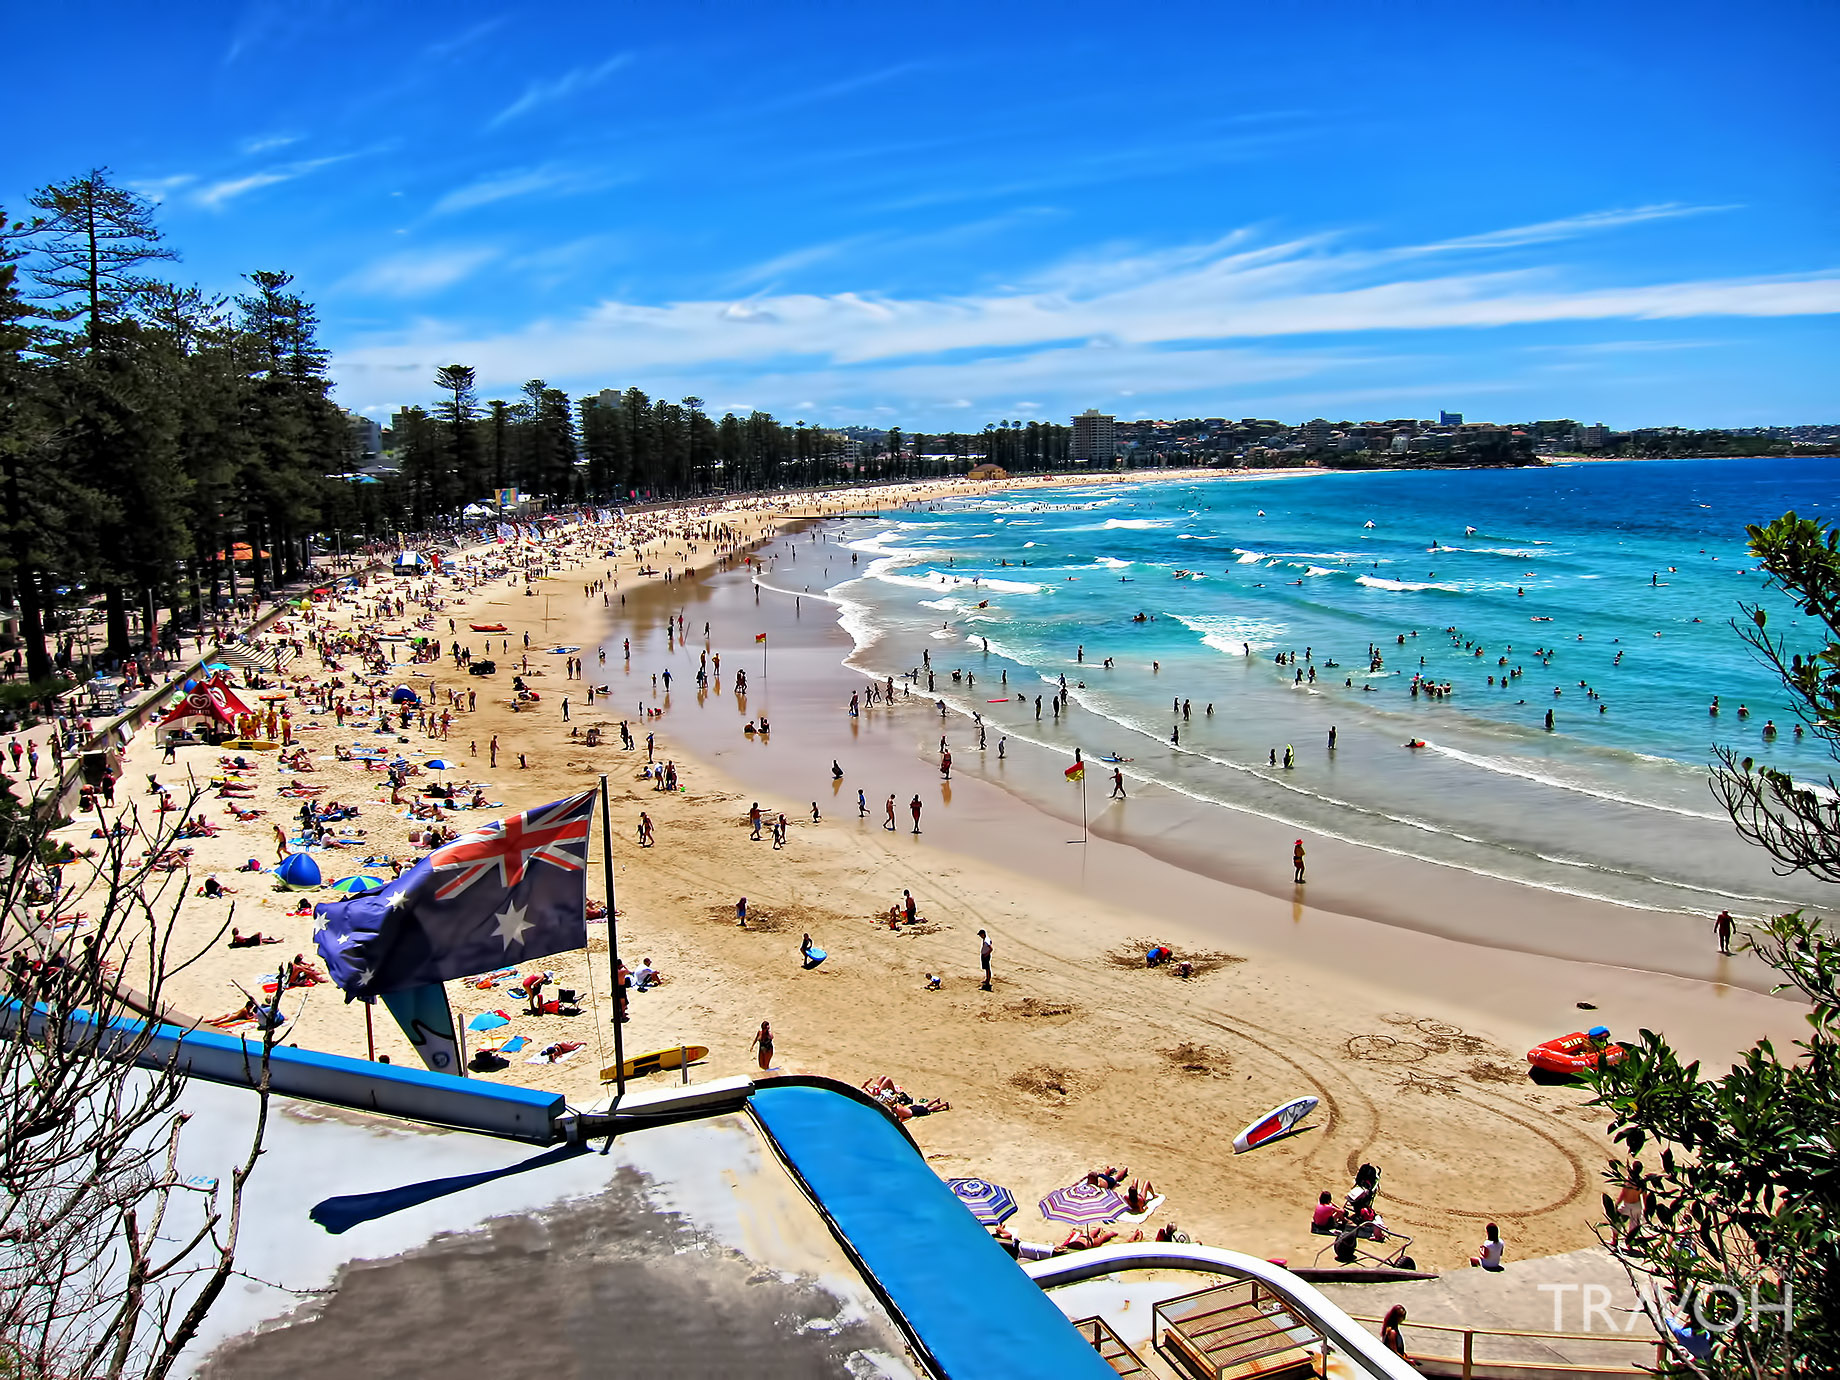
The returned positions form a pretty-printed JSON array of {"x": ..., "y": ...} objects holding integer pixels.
[
  {"x": 760, "y": 637},
  {"x": 1077, "y": 772}
]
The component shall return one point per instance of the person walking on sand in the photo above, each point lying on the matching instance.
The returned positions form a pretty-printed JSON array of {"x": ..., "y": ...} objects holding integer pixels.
[
  {"x": 763, "y": 1040},
  {"x": 754, "y": 820},
  {"x": 1297, "y": 859},
  {"x": 1722, "y": 927},
  {"x": 888, "y": 823},
  {"x": 984, "y": 957},
  {"x": 1118, "y": 784},
  {"x": 862, "y": 804},
  {"x": 741, "y": 912},
  {"x": 493, "y": 750},
  {"x": 914, "y": 806}
]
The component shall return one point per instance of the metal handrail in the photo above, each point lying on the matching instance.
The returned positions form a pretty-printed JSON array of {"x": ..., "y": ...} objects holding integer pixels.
[
  {"x": 1469, "y": 1334},
  {"x": 1355, "y": 1342}
]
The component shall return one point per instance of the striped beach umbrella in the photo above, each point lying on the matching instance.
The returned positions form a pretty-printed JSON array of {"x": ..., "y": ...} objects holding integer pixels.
[
  {"x": 357, "y": 885},
  {"x": 1082, "y": 1204},
  {"x": 988, "y": 1203}
]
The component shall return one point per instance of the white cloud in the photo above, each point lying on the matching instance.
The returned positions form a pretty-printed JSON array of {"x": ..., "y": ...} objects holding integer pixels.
[
  {"x": 220, "y": 194},
  {"x": 1168, "y": 319},
  {"x": 1547, "y": 232},
  {"x": 570, "y": 83},
  {"x": 514, "y": 185},
  {"x": 416, "y": 272},
  {"x": 157, "y": 189},
  {"x": 268, "y": 142}
]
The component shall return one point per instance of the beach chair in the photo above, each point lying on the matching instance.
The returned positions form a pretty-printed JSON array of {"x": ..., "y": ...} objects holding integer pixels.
[{"x": 1361, "y": 1245}]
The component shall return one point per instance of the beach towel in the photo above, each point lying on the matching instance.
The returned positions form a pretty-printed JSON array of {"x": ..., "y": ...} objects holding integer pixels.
[
  {"x": 1139, "y": 1218},
  {"x": 541, "y": 1058}
]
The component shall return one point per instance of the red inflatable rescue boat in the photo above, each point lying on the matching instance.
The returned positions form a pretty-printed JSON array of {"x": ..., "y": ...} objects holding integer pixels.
[
  {"x": 488, "y": 627},
  {"x": 1576, "y": 1053}
]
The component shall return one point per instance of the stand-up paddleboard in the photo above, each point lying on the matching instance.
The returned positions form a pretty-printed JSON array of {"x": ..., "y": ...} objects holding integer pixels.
[
  {"x": 1279, "y": 1121},
  {"x": 658, "y": 1059}
]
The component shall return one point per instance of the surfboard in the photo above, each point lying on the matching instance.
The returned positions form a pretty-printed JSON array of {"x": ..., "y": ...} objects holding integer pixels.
[
  {"x": 814, "y": 956},
  {"x": 641, "y": 1064},
  {"x": 1277, "y": 1122}
]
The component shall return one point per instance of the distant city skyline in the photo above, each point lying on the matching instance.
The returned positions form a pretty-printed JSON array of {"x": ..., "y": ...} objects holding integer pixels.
[{"x": 1624, "y": 215}]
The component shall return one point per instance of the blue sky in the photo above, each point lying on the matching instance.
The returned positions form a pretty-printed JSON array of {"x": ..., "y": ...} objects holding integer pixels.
[{"x": 937, "y": 216}]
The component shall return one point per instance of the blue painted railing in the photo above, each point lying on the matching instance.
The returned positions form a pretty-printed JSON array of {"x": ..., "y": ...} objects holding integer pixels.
[{"x": 389, "y": 1089}]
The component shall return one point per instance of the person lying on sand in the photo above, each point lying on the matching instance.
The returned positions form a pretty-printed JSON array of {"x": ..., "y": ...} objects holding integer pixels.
[
  {"x": 1089, "y": 1238},
  {"x": 554, "y": 1053},
  {"x": 1108, "y": 1176},
  {"x": 254, "y": 939},
  {"x": 1169, "y": 1231},
  {"x": 248, "y": 1011},
  {"x": 1139, "y": 1199}
]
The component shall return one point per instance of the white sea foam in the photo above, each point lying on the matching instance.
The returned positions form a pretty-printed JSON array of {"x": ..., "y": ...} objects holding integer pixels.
[
  {"x": 1134, "y": 524},
  {"x": 941, "y": 580},
  {"x": 1319, "y": 570},
  {"x": 1527, "y": 772},
  {"x": 1248, "y": 557},
  {"x": 1225, "y": 633},
  {"x": 1399, "y": 586},
  {"x": 1113, "y": 563}
]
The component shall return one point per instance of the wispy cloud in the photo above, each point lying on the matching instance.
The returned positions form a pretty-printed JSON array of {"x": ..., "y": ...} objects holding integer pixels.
[
  {"x": 466, "y": 38},
  {"x": 516, "y": 184},
  {"x": 216, "y": 195},
  {"x": 417, "y": 272},
  {"x": 1150, "y": 320},
  {"x": 158, "y": 189},
  {"x": 268, "y": 143},
  {"x": 1571, "y": 227},
  {"x": 571, "y": 83}
]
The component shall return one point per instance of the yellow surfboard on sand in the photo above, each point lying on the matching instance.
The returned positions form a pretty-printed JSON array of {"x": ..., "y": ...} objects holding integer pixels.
[{"x": 640, "y": 1064}]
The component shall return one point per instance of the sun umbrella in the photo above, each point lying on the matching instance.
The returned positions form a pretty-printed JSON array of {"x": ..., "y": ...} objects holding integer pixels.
[
  {"x": 298, "y": 870},
  {"x": 357, "y": 885},
  {"x": 438, "y": 764},
  {"x": 988, "y": 1203},
  {"x": 1082, "y": 1204},
  {"x": 488, "y": 1020}
]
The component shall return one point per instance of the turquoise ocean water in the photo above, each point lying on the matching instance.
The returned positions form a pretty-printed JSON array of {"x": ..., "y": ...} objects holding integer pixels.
[{"x": 1611, "y": 579}]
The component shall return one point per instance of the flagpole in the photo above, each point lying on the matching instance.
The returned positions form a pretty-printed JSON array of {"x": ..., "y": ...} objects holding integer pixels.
[{"x": 613, "y": 948}]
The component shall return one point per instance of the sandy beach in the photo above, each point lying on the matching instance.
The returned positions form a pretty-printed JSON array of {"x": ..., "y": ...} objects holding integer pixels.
[{"x": 1402, "y": 995}]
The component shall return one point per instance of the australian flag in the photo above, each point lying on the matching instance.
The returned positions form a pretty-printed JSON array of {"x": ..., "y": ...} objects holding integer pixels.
[{"x": 512, "y": 891}]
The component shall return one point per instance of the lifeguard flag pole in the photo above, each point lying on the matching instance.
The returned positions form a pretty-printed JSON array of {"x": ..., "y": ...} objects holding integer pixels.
[
  {"x": 613, "y": 949},
  {"x": 1077, "y": 772}
]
